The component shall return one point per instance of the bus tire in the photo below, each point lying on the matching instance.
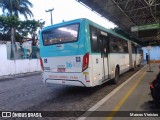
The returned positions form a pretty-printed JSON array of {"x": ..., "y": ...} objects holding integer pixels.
[
  {"x": 115, "y": 80},
  {"x": 138, "y": 65}
]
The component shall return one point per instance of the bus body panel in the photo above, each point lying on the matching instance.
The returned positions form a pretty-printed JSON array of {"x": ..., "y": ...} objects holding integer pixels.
[
  {"x": 96, "y": 66},
  {"x": 66, "y": 70},
  {"x": 138, "y": 59},
  {"x": 67, "y": 64},
  {"x": 70, "y": 48},
  {"x": 119, "y": 59},
  {"x": 114, "y": 59},
  {"x": 63, "y": 63},
  {"x": 75, "y": 79}
]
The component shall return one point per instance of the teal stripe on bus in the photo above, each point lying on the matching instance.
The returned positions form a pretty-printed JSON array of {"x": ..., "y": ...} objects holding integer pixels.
[{"x": 67, "y": 49}]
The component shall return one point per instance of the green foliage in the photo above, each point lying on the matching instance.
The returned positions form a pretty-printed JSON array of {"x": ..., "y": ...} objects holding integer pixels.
[
  {"x": 4, "y": 37},
  {"x": 6, "y": 23},
  {"x": 23, "y": 28},
  {"x": 16, "y": 7},
  {"x": 12, "y": 8},
  {"x": 9, "y": 21},
  {"x": 31, "y": 26}
]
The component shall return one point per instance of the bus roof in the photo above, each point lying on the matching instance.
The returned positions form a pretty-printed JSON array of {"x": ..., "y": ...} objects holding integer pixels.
[
  {"x": 90, "y": 22},
  {"x": 108, "y": 30},
  {"x": 63, "y": 23}
]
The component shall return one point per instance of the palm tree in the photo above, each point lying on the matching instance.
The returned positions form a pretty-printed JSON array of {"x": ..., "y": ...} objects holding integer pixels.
[{"x": 14, "y": 8}]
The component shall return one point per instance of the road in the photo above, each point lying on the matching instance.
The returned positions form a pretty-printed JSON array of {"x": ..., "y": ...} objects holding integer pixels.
[{"x": 29, "y": 93}]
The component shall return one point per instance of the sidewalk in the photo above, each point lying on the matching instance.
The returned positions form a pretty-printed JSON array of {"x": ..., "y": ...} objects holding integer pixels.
[
  {"x": 127, "y": 99},
  {"x": 10, "y": 77}
]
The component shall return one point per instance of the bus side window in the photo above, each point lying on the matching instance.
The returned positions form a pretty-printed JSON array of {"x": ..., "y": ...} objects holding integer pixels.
[
  {"x": 134, "y": 49},
  {"x": 113, "y": 44},
  {"x": 120, "y": 45},
  {"x": 94, "y": 39},
  {"x": 103, "y": 41},
  {"x": 125, "y": 45}
]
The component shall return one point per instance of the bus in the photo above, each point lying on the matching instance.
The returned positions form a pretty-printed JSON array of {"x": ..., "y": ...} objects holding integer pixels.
[{"x": 82, "y": 53}]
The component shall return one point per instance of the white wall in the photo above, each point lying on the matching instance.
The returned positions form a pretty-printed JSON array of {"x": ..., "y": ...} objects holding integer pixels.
[
  {"x": 10, "y": 67},
  {"x": 154, "y": 53}
]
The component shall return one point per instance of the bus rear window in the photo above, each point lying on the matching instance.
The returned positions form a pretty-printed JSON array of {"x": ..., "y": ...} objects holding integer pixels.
[{"x": 61, "y": 35}]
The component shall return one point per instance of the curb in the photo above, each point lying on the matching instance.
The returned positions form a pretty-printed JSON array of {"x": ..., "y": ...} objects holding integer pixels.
[
  {"x": 11, "y": 77},
  {"x": 108, "y": 96}
]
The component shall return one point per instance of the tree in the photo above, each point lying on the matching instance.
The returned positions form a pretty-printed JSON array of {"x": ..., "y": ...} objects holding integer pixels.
[
  {"x": 30, "y": 27},
  {"x": 7, "y": 22},
  {"x": 14, "y": 8},
  {"x": 23, "y": 28}
]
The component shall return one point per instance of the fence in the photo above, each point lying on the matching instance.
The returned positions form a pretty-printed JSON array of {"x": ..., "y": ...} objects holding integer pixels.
[
  {"x": 17, "y": 51},
  {"x": 25, "y": 59}
]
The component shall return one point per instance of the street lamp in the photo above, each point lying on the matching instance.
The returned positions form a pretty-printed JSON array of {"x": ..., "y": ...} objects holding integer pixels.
[{"x": 50, "y": 10}]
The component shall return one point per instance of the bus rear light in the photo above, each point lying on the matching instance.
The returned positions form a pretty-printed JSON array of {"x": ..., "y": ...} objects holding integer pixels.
[
  {"x": 41, "y": 63},
  {"x": 87, "y": 80},
  {"x": 85, "y": 61}
]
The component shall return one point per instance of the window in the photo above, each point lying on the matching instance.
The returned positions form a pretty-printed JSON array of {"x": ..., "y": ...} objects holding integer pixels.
[
  {"x": 103, "y": 40},
  {"x": 94, "y": 39},
  {"x": 118, "y": 45},
  {"x": 139, "y": 50},
  {"x": 134, "y": 48},
  {"x": 61, "y": 35},
  {"x": 113, "y": 44},
  {"x": 125, "y": 45}
]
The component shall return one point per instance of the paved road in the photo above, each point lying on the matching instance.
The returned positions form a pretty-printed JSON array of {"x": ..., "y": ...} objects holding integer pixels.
[{"x": 29, "y": 93}]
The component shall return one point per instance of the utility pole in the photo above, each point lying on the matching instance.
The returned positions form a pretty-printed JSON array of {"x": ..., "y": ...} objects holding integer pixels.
[{"x": 50, "y": 10}]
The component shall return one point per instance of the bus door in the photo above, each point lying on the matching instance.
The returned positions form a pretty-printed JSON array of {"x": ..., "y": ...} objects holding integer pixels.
[{"x": 104, "y": 45}]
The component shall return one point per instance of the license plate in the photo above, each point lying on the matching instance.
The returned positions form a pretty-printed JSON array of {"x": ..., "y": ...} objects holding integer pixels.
[{"x": 61, "y": 69}]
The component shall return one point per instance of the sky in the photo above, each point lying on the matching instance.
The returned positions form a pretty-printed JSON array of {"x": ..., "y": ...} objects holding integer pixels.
[{"x": 64, "y": 10}]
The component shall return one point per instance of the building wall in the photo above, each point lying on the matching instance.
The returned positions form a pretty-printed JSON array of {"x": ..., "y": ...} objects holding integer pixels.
[
  {"x": 154, "y": 53},
  {"x": 10, "y": 67}
]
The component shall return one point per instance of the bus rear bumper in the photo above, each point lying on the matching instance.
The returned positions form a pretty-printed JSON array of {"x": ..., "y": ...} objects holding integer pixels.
[
  {"x": 73, "y": 79},
  {"x": 66, "y": 82}
]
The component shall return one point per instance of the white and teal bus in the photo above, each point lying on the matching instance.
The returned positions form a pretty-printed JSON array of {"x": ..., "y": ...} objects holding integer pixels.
[{"x": 83, "y": 53}]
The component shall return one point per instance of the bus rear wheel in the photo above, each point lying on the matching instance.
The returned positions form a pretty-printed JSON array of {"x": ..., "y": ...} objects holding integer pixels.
[{"x": 115, "y": 80}]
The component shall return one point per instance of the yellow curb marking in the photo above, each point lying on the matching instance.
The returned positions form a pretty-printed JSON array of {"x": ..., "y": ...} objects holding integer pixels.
[{"x": 111, "y": 114}]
